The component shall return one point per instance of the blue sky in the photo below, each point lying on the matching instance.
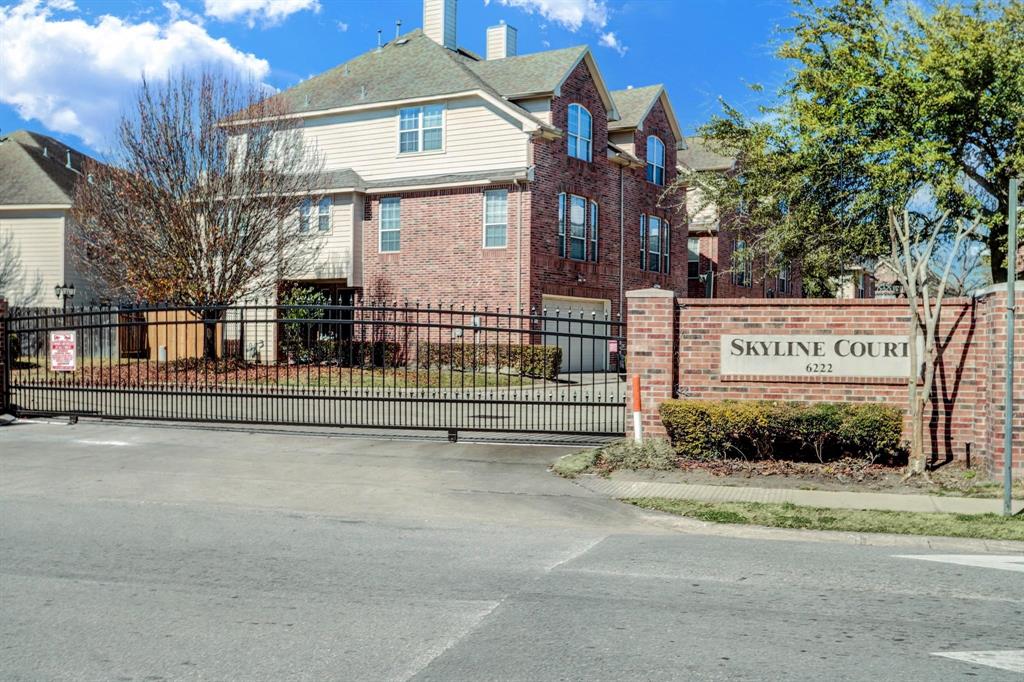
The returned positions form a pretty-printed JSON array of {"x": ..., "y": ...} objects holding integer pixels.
[{"x": 69, "y": 65}]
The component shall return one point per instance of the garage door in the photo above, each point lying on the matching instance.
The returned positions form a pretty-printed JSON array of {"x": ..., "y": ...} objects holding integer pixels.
[{"x": 574, "y": 324}]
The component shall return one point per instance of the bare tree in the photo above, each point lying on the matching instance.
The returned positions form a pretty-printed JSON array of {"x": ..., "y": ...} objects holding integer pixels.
[
  {"x": 200, "y": 203},
  {"x": 912, "y": 258},
  {"x": 14, "y": 282}
]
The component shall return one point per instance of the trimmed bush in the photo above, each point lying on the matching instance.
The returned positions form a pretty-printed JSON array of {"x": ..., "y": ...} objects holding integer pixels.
[
  {"x": 528, "y": 361},
  {"x": 759, "y": 429}
]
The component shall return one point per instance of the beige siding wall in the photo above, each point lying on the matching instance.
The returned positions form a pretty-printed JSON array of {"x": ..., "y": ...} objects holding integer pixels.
[
  {"x": 37, "y": 238},
  {"x": 701, "y": 216},
  {"x": 477, "y": 137},
  {"x": 336, "y": 257},
  {"x": 539, "y": 107}
]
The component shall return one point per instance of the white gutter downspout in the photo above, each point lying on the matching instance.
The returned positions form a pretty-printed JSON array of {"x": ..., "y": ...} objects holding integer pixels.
[
  {"x": 622, "y": 243},
  {"x": 519, "y": 249}
]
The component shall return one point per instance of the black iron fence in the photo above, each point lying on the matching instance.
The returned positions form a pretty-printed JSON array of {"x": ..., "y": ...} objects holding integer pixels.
[{"x": 364, "y": 365}]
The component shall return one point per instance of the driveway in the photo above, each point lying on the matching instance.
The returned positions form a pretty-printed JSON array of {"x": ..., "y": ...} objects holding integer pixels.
[{"x": 138, "y": 551}]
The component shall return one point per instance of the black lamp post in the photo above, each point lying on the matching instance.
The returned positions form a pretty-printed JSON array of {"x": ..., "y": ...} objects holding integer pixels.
[{"x": 65, "y": 292}]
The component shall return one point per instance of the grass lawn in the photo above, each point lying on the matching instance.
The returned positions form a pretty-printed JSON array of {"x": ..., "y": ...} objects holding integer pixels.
[{"x": 988, "y": 526}]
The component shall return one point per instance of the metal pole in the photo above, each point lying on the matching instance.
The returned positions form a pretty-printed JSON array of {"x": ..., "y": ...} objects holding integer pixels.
[{"x": 1011, "y": 262}]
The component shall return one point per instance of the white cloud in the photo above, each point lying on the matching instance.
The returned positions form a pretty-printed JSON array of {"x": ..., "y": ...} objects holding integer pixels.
[
  {"x": 571, "y": 14},
  {"x": 175, "y": 11},
  {"x": 342, "y": 26},
  {"x": 610, "y": 40},
  {"x": 251, "y": 11},
  {"x": 74, "y": 76}
]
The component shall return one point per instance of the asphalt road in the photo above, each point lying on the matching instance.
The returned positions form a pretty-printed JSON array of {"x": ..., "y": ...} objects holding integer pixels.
[{"x": 150, "y": 553}]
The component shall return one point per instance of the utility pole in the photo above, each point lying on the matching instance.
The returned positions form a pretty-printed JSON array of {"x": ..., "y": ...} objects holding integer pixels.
[{"x": 1011, "y": 300}]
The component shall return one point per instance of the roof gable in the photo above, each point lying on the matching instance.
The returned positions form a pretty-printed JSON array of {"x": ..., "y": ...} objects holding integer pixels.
[{"x": 634, "y": 104}]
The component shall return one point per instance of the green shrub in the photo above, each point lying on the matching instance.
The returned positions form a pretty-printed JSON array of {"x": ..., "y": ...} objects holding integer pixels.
[
  {"x": 759, "y": 429},
  {"x": 698, "y": 429},
  {"x": 529, "y": 361},
  {"x": 871, "y": 429}
]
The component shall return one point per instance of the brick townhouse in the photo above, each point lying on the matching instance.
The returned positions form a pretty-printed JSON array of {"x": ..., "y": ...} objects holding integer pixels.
[
  {"x": 713, "y": 270},
  {"x": 511, "y": 181}
]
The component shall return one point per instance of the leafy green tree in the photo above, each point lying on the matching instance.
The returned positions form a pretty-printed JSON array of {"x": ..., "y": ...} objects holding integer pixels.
[{"x": 887, "y": 105}]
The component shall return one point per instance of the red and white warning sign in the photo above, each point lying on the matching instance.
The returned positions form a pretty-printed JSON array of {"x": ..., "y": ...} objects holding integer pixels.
[{"x": 62, "y": 351}]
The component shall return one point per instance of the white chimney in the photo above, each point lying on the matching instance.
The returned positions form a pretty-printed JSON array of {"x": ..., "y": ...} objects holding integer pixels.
[
  {"x": 501, "y": 41},
  {"x": 439, "y": 22}
]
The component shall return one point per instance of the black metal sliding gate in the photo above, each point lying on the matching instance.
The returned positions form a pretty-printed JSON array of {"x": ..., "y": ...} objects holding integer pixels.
[{"x": 364, "y": 365}]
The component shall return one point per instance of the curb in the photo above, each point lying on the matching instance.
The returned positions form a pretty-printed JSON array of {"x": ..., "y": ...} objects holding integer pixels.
[{"x": 751, "y": 532}]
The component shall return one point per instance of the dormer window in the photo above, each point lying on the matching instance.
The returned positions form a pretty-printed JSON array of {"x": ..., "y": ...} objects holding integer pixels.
[
  {"x": 421, "y": 129},
  {"x": 580, "y": 132},
  {"x": 655, "y": 160}
]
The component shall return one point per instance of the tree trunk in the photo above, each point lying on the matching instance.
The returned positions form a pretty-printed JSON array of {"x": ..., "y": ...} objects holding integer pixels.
[
  {"x": 916, "y": 460},
  {"x": 997, "y": 249}
]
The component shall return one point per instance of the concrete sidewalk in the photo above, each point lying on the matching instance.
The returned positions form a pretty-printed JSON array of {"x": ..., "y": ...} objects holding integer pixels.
[{"x": 810, "y": 498}]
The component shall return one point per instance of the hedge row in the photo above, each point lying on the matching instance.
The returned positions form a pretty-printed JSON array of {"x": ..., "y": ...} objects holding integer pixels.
[
  {"x": 346, "y": 353},
  {"x": 758, "y": 429},
  {"x": 530, "y": 361}
]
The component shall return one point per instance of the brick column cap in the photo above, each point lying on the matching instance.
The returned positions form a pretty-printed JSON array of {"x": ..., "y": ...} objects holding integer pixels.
[{"x": 650, "y": 293}]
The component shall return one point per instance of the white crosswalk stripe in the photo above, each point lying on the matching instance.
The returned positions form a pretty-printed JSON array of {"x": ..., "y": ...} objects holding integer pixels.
[
  {"x": 1012, "y": 660},
  {"x": 1008, "y": 562}
]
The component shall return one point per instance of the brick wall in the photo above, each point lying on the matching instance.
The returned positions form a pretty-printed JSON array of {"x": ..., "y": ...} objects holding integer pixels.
[
  {"x": 965, "y": 423},
  {"x": 599, "y": 179},
  {"x": 442, "y": 260},
  {"x": 716, "y": 254}
]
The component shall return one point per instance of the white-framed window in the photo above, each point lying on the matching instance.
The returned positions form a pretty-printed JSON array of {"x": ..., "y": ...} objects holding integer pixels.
[
  {"x": 653, "y": 243},
  {"x": 305, "y": 213},
  {"x": 742, "y": 267},
  {"x": 323, "y": 217},
  {"x": 655, "y": 160},
  {"x": 390, "y": 224},
  {"x": 577, "y": 227},
  {"x": 693, "y": 257},
  {"x": 421, "y": 129},
  {"x": 580, "y": 132},
  {"x": 862, "y": 291},
  {"x": 496, "y": 219},
  {"x": 783, "y": 285},
  {"x": 666, "y": 246}
]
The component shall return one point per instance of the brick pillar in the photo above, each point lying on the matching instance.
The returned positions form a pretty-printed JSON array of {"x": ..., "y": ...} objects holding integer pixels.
[
  {"x": 4, "y": 373},
  {"x": 650, "y": 352},
  {"x": 995, "y": 383}
]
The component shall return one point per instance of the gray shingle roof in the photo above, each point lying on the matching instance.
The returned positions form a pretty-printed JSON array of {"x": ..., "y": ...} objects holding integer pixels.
[
  {"x": 340, "y": 178},
  {"x": 633, "y": 104},
  {"x": 505, "y": 175},
  {"x": 528, "y": 74},
  {"x": 411, "y": 66},
  {"x": 28, "y": 177},
  {"x": 699, "y": 157}
]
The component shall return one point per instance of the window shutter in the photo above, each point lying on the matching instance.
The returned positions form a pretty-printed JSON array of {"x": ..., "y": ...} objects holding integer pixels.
[
  {"x": 593, "y": 230},
  {"x": 666, "y": 245},
  {"x": 561, "y": 224},
  {"x": 643, "y": 242}
]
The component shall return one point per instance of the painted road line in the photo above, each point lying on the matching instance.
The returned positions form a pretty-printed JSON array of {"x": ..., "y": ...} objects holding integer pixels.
[
  {"x": 1007, "y": 562},
  {"x": 1012, "y": 660}
]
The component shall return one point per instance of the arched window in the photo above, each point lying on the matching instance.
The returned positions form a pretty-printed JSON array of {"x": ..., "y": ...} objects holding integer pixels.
[
  {"x": 580, "y": 136},
  {"x": 655, "y": 160}
]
